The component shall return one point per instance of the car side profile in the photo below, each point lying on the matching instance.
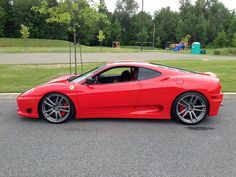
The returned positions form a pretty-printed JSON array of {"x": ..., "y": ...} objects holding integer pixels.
[{"x": 126, "y": 90}]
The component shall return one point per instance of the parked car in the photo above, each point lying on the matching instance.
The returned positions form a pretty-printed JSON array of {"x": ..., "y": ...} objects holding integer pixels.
[{"x": 126, "y": 90}]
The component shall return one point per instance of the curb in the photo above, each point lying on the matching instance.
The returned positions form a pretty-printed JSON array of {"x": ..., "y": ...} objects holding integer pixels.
[
  {"x": 8, "y": 96},
  {"x": 230, "y": 95},
  {"x": 13, "y": 96}
]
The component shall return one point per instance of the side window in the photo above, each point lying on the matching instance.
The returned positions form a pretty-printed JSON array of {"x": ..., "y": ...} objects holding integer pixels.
[
  {"x": 116, "y": 75},
  {"x": 144, "y": 73},
  {"x": 115, "y": 71}
]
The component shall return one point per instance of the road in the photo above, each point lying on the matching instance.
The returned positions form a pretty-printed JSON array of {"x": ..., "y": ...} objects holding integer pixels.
[
  {"x": 117, "y": 148},
  {"x": 46, "y": 58}
]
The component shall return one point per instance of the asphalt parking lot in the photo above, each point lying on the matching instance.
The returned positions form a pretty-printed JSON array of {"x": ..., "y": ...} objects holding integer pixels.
[{"x": 117, "y": 147}]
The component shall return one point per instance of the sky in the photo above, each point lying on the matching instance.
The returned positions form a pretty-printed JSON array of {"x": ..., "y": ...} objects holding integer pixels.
[{"x": 153, "y": 5}]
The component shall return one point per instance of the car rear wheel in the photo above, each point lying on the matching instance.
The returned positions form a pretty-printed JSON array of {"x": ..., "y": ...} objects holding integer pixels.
[
  {"x": 190, "y": 108},
  {"x": 56, "y": 108}
]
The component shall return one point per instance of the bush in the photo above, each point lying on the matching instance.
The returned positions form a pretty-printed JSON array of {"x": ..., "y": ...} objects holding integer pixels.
[
  {"x": 232, "y": 51},
  {"x": 217, "y": 52},
  {"x": 221, "y": 40},
  {"x": 234, "y": 40}
]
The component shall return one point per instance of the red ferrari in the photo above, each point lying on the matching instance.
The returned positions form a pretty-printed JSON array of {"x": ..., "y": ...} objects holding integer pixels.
[{"x": 126, "y": 90}]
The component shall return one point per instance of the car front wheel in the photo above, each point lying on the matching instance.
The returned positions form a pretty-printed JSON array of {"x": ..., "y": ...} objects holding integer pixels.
[
  {"x": 190, "y": 108},
  {"x": 56, "y": 108}
]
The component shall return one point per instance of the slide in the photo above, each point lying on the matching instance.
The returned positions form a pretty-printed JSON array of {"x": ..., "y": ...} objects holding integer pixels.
[{"x": 179, "y": 47}]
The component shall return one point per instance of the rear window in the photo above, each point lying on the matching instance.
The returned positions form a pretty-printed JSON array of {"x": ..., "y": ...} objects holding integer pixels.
[
  {"x": 144, "y": 73},
  {"x": 174, "y": 68}
]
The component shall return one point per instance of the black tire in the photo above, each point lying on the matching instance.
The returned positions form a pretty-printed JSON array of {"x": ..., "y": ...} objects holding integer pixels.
[
  {"x": 56, "y": 108},
  {"x": 190, "y": 108}
]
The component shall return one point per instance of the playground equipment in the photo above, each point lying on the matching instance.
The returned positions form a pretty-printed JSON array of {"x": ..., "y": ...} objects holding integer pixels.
[
  {"x": 116, "y": 44},
  {"x": 183, "y": 44},
  {"x": 180, "y": 46}
]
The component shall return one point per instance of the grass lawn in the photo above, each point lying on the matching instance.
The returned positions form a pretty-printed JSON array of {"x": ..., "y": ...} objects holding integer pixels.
[
  {"x": 18, "y": 78},
  {"x": 15, "y": 45}
]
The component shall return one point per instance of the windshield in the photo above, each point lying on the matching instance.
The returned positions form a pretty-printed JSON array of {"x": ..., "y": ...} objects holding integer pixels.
[{"x": 87, "y": 74}]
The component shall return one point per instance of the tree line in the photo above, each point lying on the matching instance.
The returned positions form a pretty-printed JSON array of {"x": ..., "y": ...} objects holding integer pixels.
[{"x": 205, "y": 21}]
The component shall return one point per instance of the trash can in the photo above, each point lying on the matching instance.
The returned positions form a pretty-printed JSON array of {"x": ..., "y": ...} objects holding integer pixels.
[{"x": 196, "y": 48}]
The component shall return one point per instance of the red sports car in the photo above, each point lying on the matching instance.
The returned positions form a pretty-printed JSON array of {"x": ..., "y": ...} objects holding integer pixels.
[{"x": 126, "y": 90}]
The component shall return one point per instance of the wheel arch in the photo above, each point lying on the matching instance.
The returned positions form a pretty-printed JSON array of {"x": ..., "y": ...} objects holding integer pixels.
[
  {"x": 189, "y": 91},
  {"x": 41, "y": 99}
]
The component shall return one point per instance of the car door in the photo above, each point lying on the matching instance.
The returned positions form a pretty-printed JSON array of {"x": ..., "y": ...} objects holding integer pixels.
[
  {"x": 101, "y": 99},
  {"x": 151, "y": 91}
]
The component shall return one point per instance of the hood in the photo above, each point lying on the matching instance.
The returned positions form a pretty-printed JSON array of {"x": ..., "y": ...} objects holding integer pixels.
[{"x": 62, "y": 79}]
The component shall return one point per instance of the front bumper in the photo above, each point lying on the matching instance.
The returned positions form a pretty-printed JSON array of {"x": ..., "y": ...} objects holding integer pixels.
[{"x": 28, "y": 106}]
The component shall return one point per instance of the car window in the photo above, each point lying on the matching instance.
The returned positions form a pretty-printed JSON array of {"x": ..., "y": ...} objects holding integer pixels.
[
  {"x": 85, "y": 75},
  {"x": 115, "y": 71},
  {"x": 144, "y": 73},
  {"x": 116, "y": 75}
]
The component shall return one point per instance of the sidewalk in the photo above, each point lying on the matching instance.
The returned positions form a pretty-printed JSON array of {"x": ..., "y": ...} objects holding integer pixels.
[{"x": 52, "y": 58}]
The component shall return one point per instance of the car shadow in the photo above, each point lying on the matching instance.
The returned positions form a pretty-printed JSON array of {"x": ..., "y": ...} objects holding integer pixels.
[
  {"x": 123, "y": 120},
  {"x": 102, "y": 120},
  {"x": 208, "y": 124}
]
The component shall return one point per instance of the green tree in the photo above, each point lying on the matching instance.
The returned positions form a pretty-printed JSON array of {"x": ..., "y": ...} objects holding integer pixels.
[
  {"x": 115, "y": 31},
  {"x": 125, "y": 9},
  {"x": 129, "y": 7},
  {"x": 218, "y": 20},
  {"x": 7, "y": 21},
  {"x": 20, "y": 13},
  {"x": 234, "y": 40},
  {"x": 136, "y": 28},
  {"x": 78, "y": 17},
  {"x": 203, "y": 20},
  {"x": 103, "y": 8},
  {"x": 221, "y": 40},
  {"x": 25, "y": 34},
  {"x": 2, "y": 21},
  {"x": 101, "y": 24},
  {"x": 232, "y": 30},
  {"x": 101, "y": 37},
  {"x": 166, "y": 25},
  {"x": 142, "y": 36},
  {"x": 158, "y": 42}
]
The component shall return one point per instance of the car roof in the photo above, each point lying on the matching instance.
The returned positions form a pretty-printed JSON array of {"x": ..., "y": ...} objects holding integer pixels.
[
  {"x": 146, "y": 65},
  {"x": 129, "y": 63}
]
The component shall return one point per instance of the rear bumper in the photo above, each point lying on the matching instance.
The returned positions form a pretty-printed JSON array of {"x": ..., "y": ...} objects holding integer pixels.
[
  {"x": 215, "y": 101},
  {"x": 28, "y": 106}
]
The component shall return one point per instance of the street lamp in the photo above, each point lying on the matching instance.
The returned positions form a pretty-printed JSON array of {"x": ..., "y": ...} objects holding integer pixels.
[{"x": 153, "y": 35}]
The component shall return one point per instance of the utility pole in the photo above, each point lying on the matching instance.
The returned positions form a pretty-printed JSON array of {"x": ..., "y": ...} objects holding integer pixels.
[
  {"x": 142, "y": 27},
  {"x": 75, "y": 50},
  {"x": 70, "y": 56},
  {"x": 81, "y": 59},
  {"x": 153, "y": 36}
]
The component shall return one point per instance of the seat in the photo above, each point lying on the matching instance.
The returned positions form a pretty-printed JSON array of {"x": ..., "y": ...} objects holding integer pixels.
[{"x": 125, "y": 76}]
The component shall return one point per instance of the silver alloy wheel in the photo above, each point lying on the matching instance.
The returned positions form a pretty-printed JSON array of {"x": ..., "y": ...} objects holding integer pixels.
[
  {"x": 191, "y": 108},
  {"x": 56, "y": 108}
]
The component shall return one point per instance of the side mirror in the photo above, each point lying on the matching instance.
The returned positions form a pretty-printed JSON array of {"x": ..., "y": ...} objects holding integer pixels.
[{"x": 89, "y": 80}]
